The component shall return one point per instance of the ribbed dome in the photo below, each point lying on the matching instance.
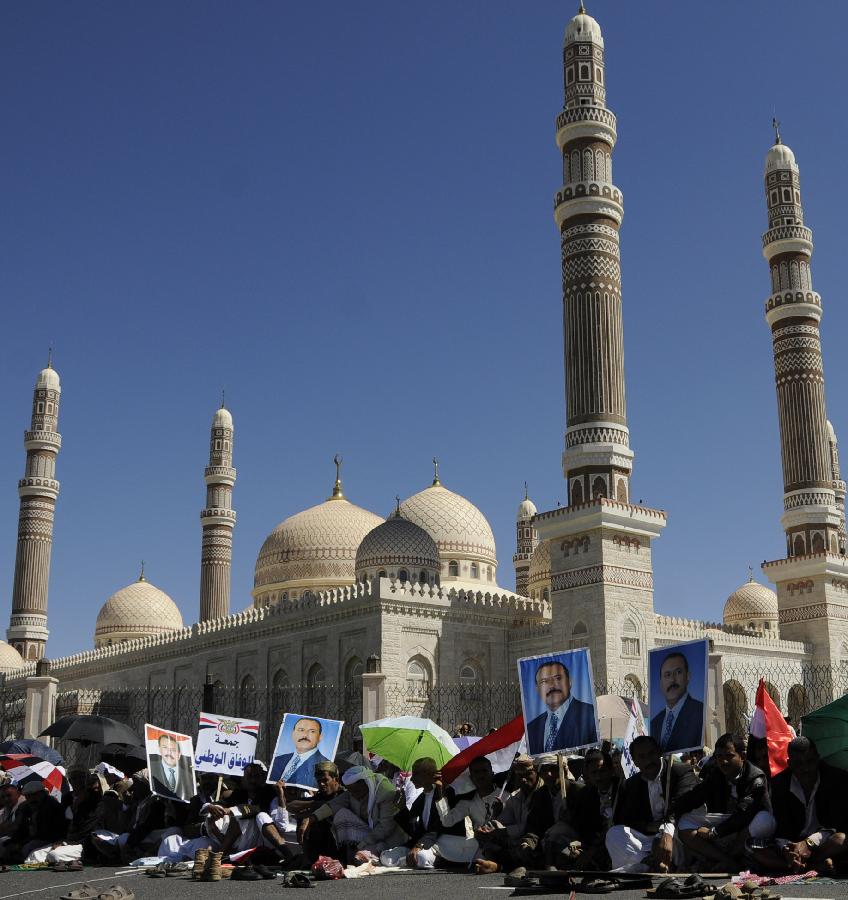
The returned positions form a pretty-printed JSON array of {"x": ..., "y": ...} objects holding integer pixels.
[
  {"x": 539, "y": 576},
  {"x": 780, "y": 157},
  {"x": 526, "y": 509},
  {"x": 455, "y": 524},
  {"x": 318, "y": 544},
  {"x": 397, "y": 542},
  {"x": 753, "y": 602},
  {"x": 583, "y": 28},
  {"x": 48, "y": 378},
  {"x": 10, "y": 659},
  {"x": 222, "y": 419},
  {"x": 138, "y": 610}
]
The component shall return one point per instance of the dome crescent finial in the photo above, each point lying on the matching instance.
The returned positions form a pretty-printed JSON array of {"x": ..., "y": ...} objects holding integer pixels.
[
  {"x": 436, "y": 472},
  {"x": 337, "y": 487},
  {"x": 141, "y": 575},
  {"x": 582, "y": 10},
  {"x": 775, "y": 124}
]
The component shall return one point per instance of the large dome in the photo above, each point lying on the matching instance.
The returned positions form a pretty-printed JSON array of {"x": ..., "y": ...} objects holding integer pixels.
[
  {"x": 312, "y": 550},
  {"x": 138, "y": 610},
  {"x": 395, "y": 545},
  {"x": 753, "y": 604},
  {"x": 460, "y": 530},
  {"x": 10, "y": 659}
]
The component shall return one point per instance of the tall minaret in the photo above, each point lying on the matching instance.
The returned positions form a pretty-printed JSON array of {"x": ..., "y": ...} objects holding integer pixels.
[
  {"x": 588, "y": 212},
  {"x": 218, "y": 520},
  {"x": 38, "y": 490},
  {"x": 600, "y": 544},
  {"x": 793, "y": 312},
  {"x": 526, "y": 540},
  {"x": 812, "y": 581}
]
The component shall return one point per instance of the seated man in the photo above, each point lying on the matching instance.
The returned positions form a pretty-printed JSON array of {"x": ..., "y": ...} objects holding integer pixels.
[
  {"x": 738, "y": 808},
  {"x": 422, "y": 822},
  {"x": 643, "y": 833},
  {"x": 475, "y": 809},
  {"x": 144, "y": 821},
  {"x": 364, "y": 816},
  {"x": 11, "y": 809},
  {"x": 319, "y": 840},
  {"x": 550, "y": 820},
  {"x": 42, "y": 824},
  {"x": 810, "y": 801},
  {"x": 192, "y": 835},
  {"x": 502, "y": 841},
  {"x": 593, "y": 809}
]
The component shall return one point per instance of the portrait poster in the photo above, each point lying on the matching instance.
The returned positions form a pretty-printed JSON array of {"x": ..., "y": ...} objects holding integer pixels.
[
  {"x": 302, "y": 743},
  {"x": 558, "y": 699},
  {"x": 225, "y": 744},
  {"x": 676, "y": 700},
  {"x": 170, "y": 762}
]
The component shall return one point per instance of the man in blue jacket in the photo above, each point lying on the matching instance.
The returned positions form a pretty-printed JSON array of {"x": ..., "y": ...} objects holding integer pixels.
[
  {"x": 566, "y": 722},
  {"x": 299, "y": 767},
  {"x": 680, "y": 725}
]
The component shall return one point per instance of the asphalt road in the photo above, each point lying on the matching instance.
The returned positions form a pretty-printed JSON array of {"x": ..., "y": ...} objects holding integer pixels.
[{"x": 400, "y": 885}]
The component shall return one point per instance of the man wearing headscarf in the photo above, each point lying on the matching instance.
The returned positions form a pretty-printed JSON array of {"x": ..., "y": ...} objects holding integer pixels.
[
  {"x": 363, "y": 815},
  {"x": 319, "y": 840}
]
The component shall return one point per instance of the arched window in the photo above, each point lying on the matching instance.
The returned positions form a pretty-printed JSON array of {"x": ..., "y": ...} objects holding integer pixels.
[
  {"x": 735, "y": 707},
  {"x": 403, "y": 576},
  {"x": 633, "y": 686},
  {"x": 599, "y": 488},
  {"x": 422, "y": 577},
  {"x": 797, "y": 703},
  {"x": 774, "y": 693},
  {"x": 418, "y": 677},
  {"x": 579, "y": 636},
  {"x": 467, "y": 674},
  {"x": 489, "y": 573},
  {"x": 453, "y": 568},
  {"x": 629, "y": 638},
  {"x": 621, "y": 491},
  {"x": 381, "y": 573},
  {"x": 475, "y": 570},
  {"x": 247, "y": 696},
  {"x": 576, "y": 492},
  {"x": 818, "y": 543},
  {"x": 546, "y": 594},
  {"x": 799, "y": 545},
  {"x": 316, "y": 681}
]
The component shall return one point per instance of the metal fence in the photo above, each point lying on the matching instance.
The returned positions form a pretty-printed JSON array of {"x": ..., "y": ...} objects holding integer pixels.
[
  {"x": 12, "y": 709},
  {"x": 178, "y": 709}
]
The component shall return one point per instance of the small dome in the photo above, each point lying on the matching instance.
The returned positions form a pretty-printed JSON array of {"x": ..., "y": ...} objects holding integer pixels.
[
  {"x": 315, "y": 548},
  {"x": 138, "y": 610},
  {"x": 397, "y": 543},
  {"x": 526, "y": 509},
  {"x": 10, "y": 659},
  {"x": 751, "y": 603},
  {"x": 539, "y": 576},
  {"x": 48, "y": 378},
  {"x": 222, "y": 419},
  {"x": 780, "y": 157},
  {"x": 831, "y": 433},
  {"x": 583, "y": 28},
  {"x": 455, "y": 524}
]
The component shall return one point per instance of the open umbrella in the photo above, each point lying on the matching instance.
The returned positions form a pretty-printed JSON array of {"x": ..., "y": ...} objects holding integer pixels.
[
  {"x": 32, "y": 747},
  {"x": 128, "y": 759},
  {"x": 614, "y": 716},
  {"x": 92, "y": 730},
  {"x": 403, "y": 739},
  {"x": 23, "y": 769},
  {"x": 828, "y": 727}
]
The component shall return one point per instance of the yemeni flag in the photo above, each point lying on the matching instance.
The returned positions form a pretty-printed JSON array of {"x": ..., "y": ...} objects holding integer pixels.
[
  {"x": 768, "y": 722},
  {"x": 500, "y": 747},
  {"x": 23, "y": 768}
]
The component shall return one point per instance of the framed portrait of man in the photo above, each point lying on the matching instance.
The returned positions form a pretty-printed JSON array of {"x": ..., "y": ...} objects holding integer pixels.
[
  {"x": 558, "y": 699},
  {"x": 678, "y": 690},
  {"x": 302, "y": 742},
  {"x": 170, "y": 762}
]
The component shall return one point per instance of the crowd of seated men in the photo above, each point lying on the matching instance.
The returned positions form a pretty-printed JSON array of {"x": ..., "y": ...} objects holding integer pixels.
[{"x": 704, "y": 812}]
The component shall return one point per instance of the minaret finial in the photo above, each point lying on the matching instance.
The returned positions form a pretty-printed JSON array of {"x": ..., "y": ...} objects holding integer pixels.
[
  {"x": 50, "y": 357},
  {"x": 526, "y": 495},
  {"x": 775, "y": 124},
  {"x": 582, "y": 10},
  {"x": 141, "y": 576},
  {"x": 750, "y": 574},
  {"x": 337, "y": 488},
  {"x": 223, "y": 398},
  {"x": 435, "y": 472},
  {"x": 397, "y": 506}
]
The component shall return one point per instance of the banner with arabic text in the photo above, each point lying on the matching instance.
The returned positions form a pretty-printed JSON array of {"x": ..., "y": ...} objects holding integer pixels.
[{"x": 225, "y": 744}]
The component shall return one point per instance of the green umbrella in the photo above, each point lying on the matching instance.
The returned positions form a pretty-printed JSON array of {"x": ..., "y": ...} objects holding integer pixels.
[
  {"x": 828, "y": 727},
  {"x": 403, "y": 739}
]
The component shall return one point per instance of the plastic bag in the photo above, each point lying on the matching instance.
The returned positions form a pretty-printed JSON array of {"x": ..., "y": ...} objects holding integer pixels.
[{"x": 328, "y": 868}]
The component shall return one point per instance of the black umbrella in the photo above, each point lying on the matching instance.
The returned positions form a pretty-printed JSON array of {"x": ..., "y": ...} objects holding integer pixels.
[
  {"x": 32, "y": 747},
  {"x": 92, "y": 730},
  {"x": 128, "y": 759}
]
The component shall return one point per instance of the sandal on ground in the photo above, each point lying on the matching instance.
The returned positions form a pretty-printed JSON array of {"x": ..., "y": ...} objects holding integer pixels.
[
  {"x": 59, "y": 867},
  {"x": 729, "y": 891},
  {"x": 86, "y": 892},
  {"x": 596, "y": 886},
  {"x": 296, "y": 880},
  {"x": 158, "y": 871},
  {"x": 75, "y": 865},
  {"x": 116, "y": 892}
]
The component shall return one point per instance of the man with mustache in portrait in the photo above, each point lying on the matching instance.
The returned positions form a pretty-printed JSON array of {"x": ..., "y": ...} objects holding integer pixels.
[
  {"x": 680, "y": 726},
  {"x": 566, "y": 722},
  {"x": 299, "y": 767}
]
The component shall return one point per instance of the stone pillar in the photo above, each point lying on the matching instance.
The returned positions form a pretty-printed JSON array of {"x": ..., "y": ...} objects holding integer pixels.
[
  {"x": 40, "y": 710},
  {"x": 373, "y": 691},
  {"x": 716, "y": 725}
]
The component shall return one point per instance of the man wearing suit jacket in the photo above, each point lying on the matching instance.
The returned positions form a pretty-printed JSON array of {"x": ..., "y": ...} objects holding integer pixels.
[
  {"x": 422, "y": 821},
  {"x": 644, "y": 822},
  {"x": 171, "y": 773},
  {"x": 299, "y": 767},
  {"x": 566, "y": 722},
  {"x": 680, "y": 726}
]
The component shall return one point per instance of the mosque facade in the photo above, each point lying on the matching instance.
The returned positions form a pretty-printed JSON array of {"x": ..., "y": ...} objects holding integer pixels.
[{"x": 337, "y": 585}]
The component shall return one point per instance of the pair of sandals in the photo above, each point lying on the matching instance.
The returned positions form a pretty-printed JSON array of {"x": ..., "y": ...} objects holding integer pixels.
[
  {"x": 75, "y": 865},
  {"x": 87, "y": 892},
  {"x": 682, "y": 889},
  {"x": 168, "y": 870}
]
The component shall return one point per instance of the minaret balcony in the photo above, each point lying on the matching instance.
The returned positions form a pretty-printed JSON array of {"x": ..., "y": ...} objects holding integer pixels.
[
  {"x": 595, "y": 122},
  {"x": 588, "y": 198},
  {"x": 216, "y": 515},
  {"x": 42, "y": 440},
  {"x": 38, "y": 487},
  {"x": 220, "y": 475},
  {"x": 787, "y": 239}
]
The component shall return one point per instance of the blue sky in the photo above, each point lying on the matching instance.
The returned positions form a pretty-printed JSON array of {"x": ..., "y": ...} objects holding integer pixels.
[{"x": 342, "y": 213}]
